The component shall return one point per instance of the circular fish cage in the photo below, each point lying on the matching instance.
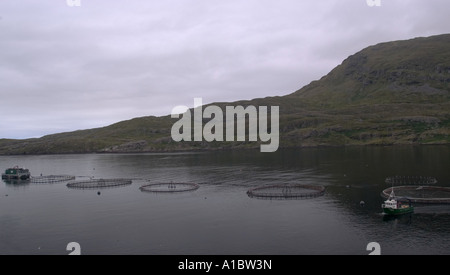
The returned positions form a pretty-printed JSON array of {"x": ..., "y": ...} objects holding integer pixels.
[
  {"x": 287, "y": 192},
  {"x": 169, "y": 187},
  {"x": 411, "y": 180},
  {"x": 422, "y": 194},
  {"x": 51, "y": 179},
  {"x": 99, "y": 183}
]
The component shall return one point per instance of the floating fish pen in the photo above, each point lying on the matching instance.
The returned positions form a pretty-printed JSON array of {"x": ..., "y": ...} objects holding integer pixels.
[
  {"x": 169, "y": 187},
  {"x": 52, "y": 179},
  {"x": 422, "y": 194},
  {"x": 411, "y": 180},
  {"x": 287, "y": 192},
  {"x": 99, "y": 183}
]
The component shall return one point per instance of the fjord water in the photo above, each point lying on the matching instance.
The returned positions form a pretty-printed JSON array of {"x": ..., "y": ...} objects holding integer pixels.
[{"x": 219, "y": 218}]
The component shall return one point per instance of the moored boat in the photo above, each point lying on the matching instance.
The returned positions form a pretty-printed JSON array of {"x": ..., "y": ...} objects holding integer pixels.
[
  {"x": 16, "y": 173},
  {"x": 394, "y": 207}
]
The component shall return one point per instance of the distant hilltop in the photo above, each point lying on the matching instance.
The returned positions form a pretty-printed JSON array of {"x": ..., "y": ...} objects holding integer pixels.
[{"x": 392, "y": 93}]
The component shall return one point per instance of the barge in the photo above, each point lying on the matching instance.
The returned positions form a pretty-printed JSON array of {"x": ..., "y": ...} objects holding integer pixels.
[{"x": 16, "y": 173}]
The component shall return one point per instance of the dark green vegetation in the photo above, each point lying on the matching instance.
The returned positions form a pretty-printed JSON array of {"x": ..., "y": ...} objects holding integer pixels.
[{"x": 388, "y": 94}]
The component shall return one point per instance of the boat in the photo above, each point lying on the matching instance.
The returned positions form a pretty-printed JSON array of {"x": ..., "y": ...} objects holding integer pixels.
[
  {"x": 16, "y": 173},
  {"x": 394, "y": 207}
]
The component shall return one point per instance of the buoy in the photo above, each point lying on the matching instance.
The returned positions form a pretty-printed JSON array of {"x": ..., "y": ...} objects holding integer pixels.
[{"x": 362, "y": 203}]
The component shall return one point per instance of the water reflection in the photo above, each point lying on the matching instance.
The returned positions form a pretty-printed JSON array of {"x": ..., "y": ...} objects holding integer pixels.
[
  {"x": 16, "y": 183},
  {"x": 219, "y": 218},
  {"x": 404, "y": 219}
]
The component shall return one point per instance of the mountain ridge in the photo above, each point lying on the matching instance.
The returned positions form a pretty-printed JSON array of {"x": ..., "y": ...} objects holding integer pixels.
[{"x": 387, "y": 94}]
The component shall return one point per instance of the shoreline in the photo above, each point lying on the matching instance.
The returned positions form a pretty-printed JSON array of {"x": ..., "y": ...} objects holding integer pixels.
[{"x": 187, "y": 151}]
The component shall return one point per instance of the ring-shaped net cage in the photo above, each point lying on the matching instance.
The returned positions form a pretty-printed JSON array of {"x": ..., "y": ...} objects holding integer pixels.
[
  {"x": 287, "y": 192},
  {"x": 420, "y": 194},
  {"x": 52, "y": 179},
  {"x": 173, "y": 187},
  {"x": 99, "y": 183},
  {"x": 411, "y": 180}
]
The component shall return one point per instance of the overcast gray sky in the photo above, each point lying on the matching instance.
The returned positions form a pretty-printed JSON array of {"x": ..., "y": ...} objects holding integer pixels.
[{"x": 67, "y": 68}]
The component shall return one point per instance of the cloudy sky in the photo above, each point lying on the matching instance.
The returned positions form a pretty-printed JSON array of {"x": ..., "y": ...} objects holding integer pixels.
[{"x": 66, "y": 68}]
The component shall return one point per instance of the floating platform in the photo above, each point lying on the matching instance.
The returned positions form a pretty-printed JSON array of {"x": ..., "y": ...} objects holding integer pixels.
[
  {"x": 287, "y": 192},
  {"x": 169, "y": 187},
  {"x": 16, "y": 173},
  {"x": 99, "y": 183},
  {"x": 420, "y": 194},
  {"x": 52, "y": 179},
  {"x": 411, "y": 180}
]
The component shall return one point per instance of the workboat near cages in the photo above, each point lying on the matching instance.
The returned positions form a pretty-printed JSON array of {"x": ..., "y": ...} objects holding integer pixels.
[
  {"x": 394, "y": 207},
  {"x": 16, "y": 173}
]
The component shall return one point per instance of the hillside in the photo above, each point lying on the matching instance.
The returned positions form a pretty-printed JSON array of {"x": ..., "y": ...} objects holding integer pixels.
[
  {"x": 387, "y": 94},
  {"x": 391, "y": 93}
]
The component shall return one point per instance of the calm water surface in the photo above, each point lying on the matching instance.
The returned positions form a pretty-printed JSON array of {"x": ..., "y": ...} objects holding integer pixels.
[{"x": 219, "y": 218}]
